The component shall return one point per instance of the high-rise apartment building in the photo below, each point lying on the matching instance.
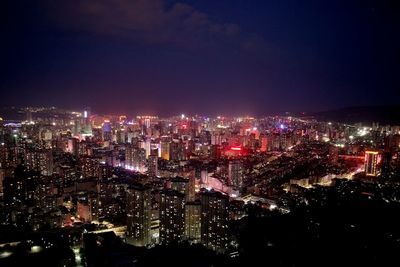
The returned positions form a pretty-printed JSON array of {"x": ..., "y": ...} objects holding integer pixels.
[{"x": 138, "y": 212}]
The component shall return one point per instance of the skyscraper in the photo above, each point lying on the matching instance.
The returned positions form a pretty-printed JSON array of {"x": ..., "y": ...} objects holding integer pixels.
[
  {"x": 193, "y": 221},
  {"x": 371, "y": 161},
  {"x": 16, "y": 186},
  {"x": 264, "y": 143},
  {"x": 40, "y": 160},
  {"x": 152, "y": 165},
  {"x": 138, "y": 211},
  {"x": 172, "y": 216},
  {"x": 147, "y": 147},
  {"x": 86, "y": 113},
  {"x": 214, "y": 219},
  {"x": 87, "y": 126},
  {"x": 191, "y": 194},
  {"x": 185, "y": 186},
  {"x": 135, "y": 158},
  {"x": 2, "y": 176},
  {"x": 90, "y": 166},
  {"x": 235, "y": 173},
  {"x": 73, "y": 146},
  {"x": 176, "y": 150},
  {"x": 164, "y": 148},
  {"x": 107, "y": 131},
  {"x": 87, "y": 208}
]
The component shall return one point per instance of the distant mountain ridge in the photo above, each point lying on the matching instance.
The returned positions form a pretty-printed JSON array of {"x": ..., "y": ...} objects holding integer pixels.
[
  {"x": 389, "y": 114},
  {"x": 12, "y": 113}
]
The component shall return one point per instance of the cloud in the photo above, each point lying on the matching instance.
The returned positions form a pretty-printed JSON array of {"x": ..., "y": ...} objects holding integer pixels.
[{"x": 150, "y": 21}]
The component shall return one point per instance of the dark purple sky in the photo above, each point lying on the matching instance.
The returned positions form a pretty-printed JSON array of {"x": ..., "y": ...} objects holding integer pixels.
[{"x": 205, "y": 56}]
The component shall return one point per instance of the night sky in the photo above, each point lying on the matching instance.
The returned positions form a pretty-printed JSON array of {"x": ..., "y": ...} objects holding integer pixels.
[{"x": 206, "y": 56}]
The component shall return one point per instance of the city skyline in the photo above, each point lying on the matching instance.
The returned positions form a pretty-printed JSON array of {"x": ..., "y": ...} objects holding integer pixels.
[
  {"x": 82, "y": 189},
  {"x": 386, "y": 114},
  {"x": 147, "y": 56},
  {"x": 195, "y": 133}
]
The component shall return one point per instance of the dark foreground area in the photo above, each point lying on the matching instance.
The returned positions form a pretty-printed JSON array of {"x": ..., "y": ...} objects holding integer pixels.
[{"x": 350, "y": 223}]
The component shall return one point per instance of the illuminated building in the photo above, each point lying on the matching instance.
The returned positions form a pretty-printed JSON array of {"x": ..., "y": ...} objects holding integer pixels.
[
  {"x": 172, "y": 216},
  {"x": 216, "y": 139},
  {"x": 147, "y": 122},
  {"x": 107, "y": 131},
  {"x": 104, "y": 171},
  {"x": 264, "y": 143},
  {"x": 90, "y": 167},
  {"x": 234, "y": 151},
  {"x": 85, "y": 149},
  {"x": 73, "y": 146},
  {"x": 135, "y": 159},
  {"x": 86, "y": 113},
  {"x": 138, "y": 212},
  {"x": 194, "y": 127},
  {"x": 44, "y": 189},
  {"x": 371, "y": 161},
  {"x": 87, "y": 209},
  {"x": 121, "y": 136},
  {"x": 2, "y": 176},
  {"x": 147, "y": 147},
  {"x": 185, "y": 186},
  {"x": 164, "y": 148},
  {"x": 214, "y": 220},
  {"x": 205, "y": 137},
  {"x": 176, "y": 151},
  {"x": 16, "y": 186},
  {"x": 129, "y": 137},
  {"x": 152, "y": 166},
  {"x": 40, "y": 161},
  {"x": 97, "y": 135},
  {"x": 3, "y": 153},
  {"x": 235, "y": 173},
  {"x": 180, "y": 184},
  {"x": 77, "y": 127},
  {"x": 273, "y": 142},
  {"x": 192, "y": 221},
  {"x": 83, "y": 126},
  {"x": 189, "y": 148},
  {"x": 191, "y": 194},
  {"x": 47, "y": 136},
  {"x": 122, "y": 118},
  {"x": 88, "y": 131}
]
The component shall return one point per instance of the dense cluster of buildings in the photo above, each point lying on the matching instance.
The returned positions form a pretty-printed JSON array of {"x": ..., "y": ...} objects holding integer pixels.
[{"x": 178, "y": 179}]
